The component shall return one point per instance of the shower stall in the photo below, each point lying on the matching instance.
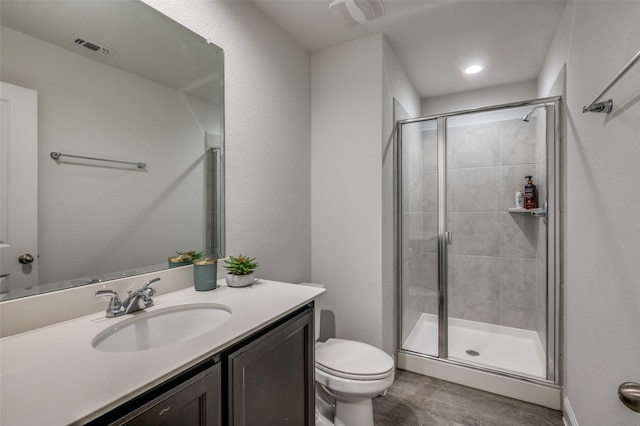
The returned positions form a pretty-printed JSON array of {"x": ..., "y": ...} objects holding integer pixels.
[{"x": 478, "y": 276}]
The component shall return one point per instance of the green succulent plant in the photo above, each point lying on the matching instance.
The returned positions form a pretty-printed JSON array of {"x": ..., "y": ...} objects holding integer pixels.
[
  {"x": 190, "y": 255},
  {"x": 241, "y": 265}
]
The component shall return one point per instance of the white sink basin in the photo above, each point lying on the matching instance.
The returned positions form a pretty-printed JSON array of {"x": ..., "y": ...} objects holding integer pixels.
[{"x": 160, "y": 328}]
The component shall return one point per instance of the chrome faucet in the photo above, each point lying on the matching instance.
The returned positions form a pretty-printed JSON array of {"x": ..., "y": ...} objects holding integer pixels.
[{"x": 135, "y": 301}]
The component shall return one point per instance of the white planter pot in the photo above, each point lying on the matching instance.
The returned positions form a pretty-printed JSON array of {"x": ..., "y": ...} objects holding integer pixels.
[{"x": 239, "y": 280}]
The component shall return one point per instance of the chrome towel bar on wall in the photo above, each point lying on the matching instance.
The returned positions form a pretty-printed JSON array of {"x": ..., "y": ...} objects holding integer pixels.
[
  {"x": 607, "y": 106},
  {"x": 56, "y": 155}
]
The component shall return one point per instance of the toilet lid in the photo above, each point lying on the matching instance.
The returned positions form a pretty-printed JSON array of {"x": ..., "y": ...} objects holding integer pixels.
[{"x": 353, "y": 360}]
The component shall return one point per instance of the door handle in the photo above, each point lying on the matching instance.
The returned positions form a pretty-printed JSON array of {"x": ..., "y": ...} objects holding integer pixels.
[
  {"x": 26, "y": 258},
  {"x": 629, "y": 394}
]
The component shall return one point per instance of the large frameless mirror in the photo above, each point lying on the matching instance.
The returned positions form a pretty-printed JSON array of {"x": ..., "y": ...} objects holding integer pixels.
[{"x": 105, "y": 80}]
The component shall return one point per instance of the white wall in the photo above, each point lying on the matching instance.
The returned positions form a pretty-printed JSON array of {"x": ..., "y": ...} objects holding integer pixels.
[
  {"x": 353, "y": 86},
  {"x": 557, "y": 54},
  {"x": 346, "y": 177},
  {"x": 267, "y": 126},
  {"x": 602, "y": 288},
  {"x": 479, "y": 98}
]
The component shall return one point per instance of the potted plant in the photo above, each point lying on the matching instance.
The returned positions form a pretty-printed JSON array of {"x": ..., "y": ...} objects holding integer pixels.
[
  {"x": 185, "y": 258},
  {"x": 240, "y": 270}
]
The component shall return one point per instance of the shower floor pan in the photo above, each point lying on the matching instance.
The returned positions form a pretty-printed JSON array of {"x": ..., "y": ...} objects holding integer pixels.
[{"x": 498, "y": 347}]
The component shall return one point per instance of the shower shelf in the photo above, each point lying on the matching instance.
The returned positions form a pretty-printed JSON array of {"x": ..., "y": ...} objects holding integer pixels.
[{"x": 532, "y": 212}]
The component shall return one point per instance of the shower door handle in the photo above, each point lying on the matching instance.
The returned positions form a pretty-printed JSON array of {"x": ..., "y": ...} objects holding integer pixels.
[{"x": 448, "y": 238}]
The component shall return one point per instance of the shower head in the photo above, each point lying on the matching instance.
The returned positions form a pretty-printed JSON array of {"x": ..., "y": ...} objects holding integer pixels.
[{"x": 527, "y": 117}]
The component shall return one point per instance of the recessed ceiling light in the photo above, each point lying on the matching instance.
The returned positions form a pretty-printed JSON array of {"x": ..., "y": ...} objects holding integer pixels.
[{"x": 473, "y": 69}]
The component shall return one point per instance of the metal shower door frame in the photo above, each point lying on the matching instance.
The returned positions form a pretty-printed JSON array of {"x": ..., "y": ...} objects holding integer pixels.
[{"x": 444, "y": 238}]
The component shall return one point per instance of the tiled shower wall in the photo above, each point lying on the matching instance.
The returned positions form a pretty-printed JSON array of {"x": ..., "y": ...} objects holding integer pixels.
[
  {"x": 497, "y": 260},
  {"x": 493, "y": 261}
]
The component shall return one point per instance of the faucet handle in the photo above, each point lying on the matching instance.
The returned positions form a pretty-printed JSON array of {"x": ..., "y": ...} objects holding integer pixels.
[
  {"x": 108, "y": 293},
  {"x": 114, "y": 303},
  {"x": 148, "y": 283},
  {"x": 147, "y": 290}
]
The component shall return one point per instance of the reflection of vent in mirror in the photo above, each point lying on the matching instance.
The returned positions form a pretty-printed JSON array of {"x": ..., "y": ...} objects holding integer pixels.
[{"x": 92, "y": 45}]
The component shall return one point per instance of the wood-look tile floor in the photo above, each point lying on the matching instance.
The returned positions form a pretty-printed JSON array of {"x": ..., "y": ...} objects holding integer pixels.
[{"x": 416, "y": 400}]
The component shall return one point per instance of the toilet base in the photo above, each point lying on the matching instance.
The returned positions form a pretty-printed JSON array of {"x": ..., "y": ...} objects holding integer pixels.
[
  {"x": 354, "y": 413},
  {"x": 322, "y": 420},
  {"x": 342, "y": 413},
  {"x": 325, "y": 406}
]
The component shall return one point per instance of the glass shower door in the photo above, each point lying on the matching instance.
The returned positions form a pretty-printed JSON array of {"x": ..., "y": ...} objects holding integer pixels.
[
  {"x": 477, "y": 275},
  {"x": 497, "y": 253},
  {"x": 419, "y": 233}
]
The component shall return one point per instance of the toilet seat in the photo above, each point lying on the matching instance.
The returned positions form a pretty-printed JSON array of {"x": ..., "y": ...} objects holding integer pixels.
[{"x": 353, "y": 360}]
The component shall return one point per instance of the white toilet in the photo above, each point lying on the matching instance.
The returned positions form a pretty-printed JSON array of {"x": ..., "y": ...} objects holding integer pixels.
[{"x": 353, "y": 373}]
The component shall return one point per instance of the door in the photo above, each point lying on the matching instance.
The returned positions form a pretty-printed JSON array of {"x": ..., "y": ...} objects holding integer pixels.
[
  {"x": 195, "y": 402},
  {"x": 18, "y": 187},
  {"x": 271, "y": 380},
  {"x": 192, "y": 398},
  {"x": 497, "y": 252},
  {"x": 420, "y": 289},
  {"x": 477, "y": 277}
]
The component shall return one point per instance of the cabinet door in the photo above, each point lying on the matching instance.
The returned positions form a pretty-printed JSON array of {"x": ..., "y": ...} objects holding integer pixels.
[
  {"x": 195, "y": 402},
  {"x": 271, "y": 380}
]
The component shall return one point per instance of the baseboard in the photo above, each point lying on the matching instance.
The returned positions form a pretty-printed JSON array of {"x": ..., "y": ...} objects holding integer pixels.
[{"x": 568, "y": 415}]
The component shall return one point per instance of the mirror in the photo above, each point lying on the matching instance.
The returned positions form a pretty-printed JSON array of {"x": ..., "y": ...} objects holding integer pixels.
[{"x": 114, "y": 80}]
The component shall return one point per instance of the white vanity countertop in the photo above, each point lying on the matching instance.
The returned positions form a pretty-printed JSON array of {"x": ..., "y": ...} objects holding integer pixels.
[{"x": 53, "y": 376}]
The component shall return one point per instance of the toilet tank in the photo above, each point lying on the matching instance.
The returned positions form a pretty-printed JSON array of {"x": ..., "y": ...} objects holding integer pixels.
[{"x": 317, "y": 309}]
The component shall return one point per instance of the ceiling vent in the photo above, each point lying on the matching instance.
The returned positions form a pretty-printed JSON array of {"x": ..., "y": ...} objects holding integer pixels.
[
  {"x": 96, "y": 48},
  {"x": 354, "y": 12}
]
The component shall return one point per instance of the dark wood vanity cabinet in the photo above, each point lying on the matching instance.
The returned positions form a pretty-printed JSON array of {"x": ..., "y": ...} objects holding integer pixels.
[
  {"x": 271, "y": 379},
  {"x": 195, "y": 402},
  {"x": 267, "y": 379},
  {"x": 190, "y": 399}
]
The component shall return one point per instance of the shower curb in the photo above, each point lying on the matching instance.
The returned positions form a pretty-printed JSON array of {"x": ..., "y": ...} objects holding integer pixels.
[{"x": 547, "y": 396}]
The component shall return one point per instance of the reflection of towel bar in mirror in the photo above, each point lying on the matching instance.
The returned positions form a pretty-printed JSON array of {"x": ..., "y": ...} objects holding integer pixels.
[{"x": 56, "y": 155}]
